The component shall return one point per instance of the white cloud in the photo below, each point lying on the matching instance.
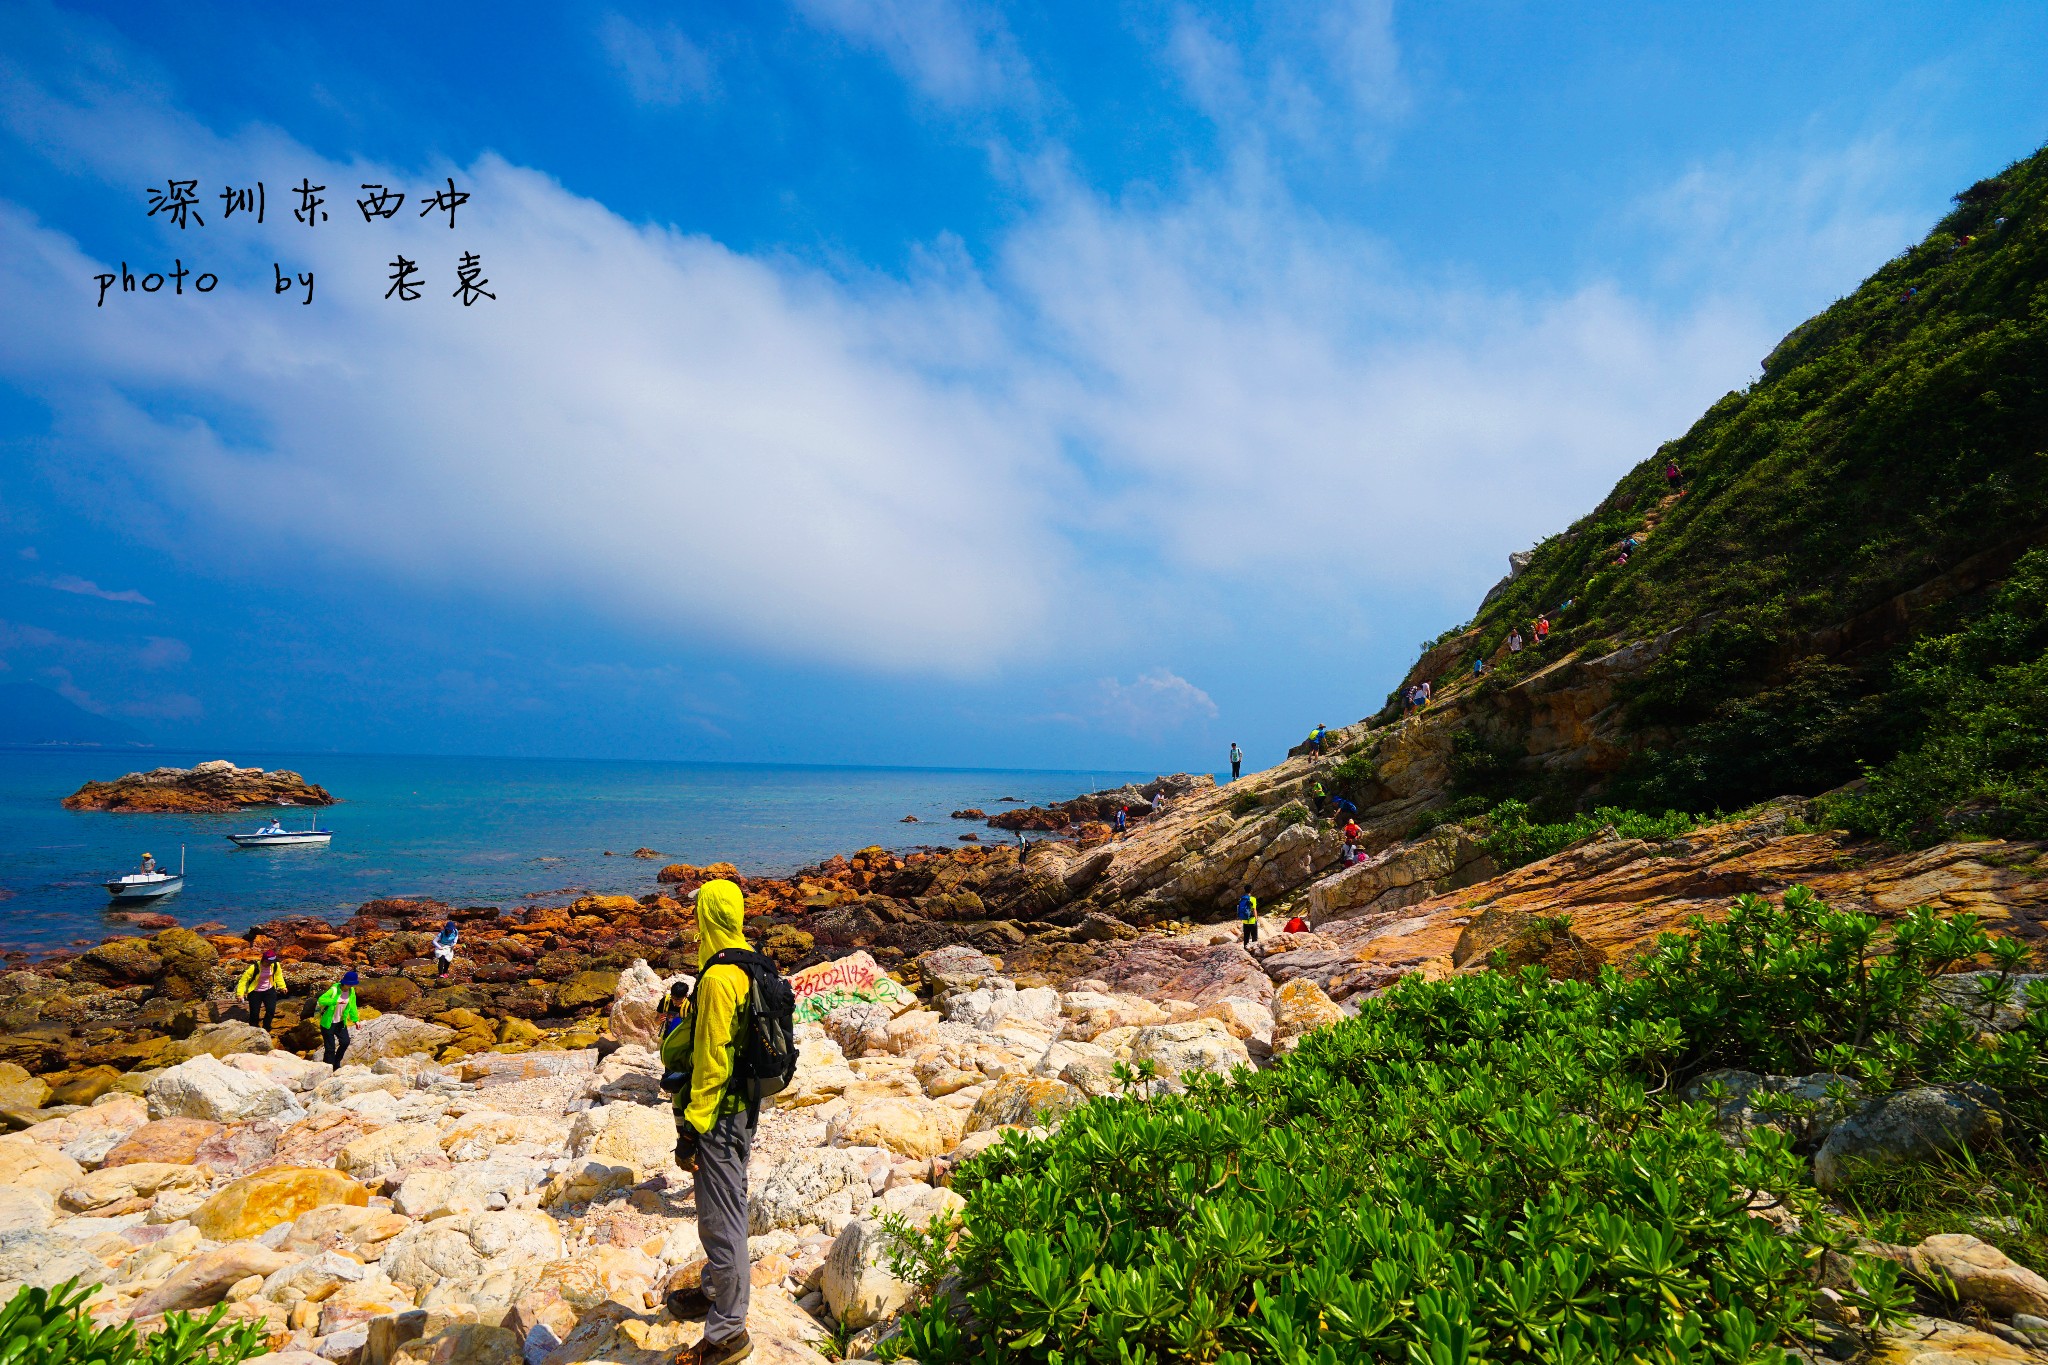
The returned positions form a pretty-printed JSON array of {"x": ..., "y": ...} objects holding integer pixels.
[
  {"x": 644, "y": 422},
  {"x": 956, "y": 53},
  {"x": 1156, "y": 703},
  {"x": 159, "y": 651},
  {"x": 1143, "y": 415},
  {"x": 73, "y": 693},
  {"x": 1318, "y": 75},
  {"x": 168, "y": 706},
  {"x": 85, "y": 587},
  {"x": 1797, "y": 223},
  {"x": 659, "y": 65}
]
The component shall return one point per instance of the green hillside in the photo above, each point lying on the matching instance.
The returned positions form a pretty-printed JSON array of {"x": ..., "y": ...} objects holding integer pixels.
[{"x": 1833, "y": 564}]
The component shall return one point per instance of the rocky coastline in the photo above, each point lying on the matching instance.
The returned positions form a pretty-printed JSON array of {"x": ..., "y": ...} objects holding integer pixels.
[
  {"x": 487, "y": 1177},
  {"x": 212, "y": 788}
]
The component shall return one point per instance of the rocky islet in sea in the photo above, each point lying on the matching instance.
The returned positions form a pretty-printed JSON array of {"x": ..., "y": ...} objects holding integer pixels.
[{"x": 214, "y": 787}]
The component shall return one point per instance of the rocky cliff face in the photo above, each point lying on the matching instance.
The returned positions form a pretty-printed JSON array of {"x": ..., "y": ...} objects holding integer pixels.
[{"x": 213, "y": 787}]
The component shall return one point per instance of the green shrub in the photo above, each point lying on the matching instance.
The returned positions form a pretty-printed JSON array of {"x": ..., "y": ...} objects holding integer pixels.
[
  {"x": 1354, "y": 774},
  {"x": 1464, "y": 808},
  {"x": 49, "y": 1327},
  {"x": 1474, "y": 1168},
  {"x": 1513, "y": 839},
  {"x": 1800, "y": 987},
  {"x": 1979, "y": 700},
  {"x": 1485, "y": 767},
  {"x": 1293, "y": 813},
  {"x": 1470, "y": 1168},
  {"x": 1244, "y": 803}
]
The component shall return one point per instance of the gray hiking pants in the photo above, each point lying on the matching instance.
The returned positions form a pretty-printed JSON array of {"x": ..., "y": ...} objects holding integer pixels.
[{"x": 722, "y": 1224}]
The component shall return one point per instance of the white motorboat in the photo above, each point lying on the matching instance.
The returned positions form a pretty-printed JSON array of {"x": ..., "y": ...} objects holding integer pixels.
[
  {"x": 275, "y": 835},
  {"x": 150, "y": 884}
]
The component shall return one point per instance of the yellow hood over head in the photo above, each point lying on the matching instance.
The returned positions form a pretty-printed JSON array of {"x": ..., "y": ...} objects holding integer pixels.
[{"x": 721, "y": 919}]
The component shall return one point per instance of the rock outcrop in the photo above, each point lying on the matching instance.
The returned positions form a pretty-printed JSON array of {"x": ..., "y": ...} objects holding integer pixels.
[{"x": 213, "y": 787}]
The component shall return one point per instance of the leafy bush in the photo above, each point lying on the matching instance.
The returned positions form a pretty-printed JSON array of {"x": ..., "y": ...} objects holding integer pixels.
[
  {"x": 1244, "y": 803},
  {"x": 1464, "y": 808},
  {"x": 1354, "y": 775},
  {"x": 1979, "y": 700},
  {"x": 1513, "y": 839},
  {"x": 1293, "y": 813},
  {"x": 1472, "y": 1168},
  {"x": 49, "y": 1327},
  {"x": 1801, "y": 986},
  {"x": 1485, "y": 767}
]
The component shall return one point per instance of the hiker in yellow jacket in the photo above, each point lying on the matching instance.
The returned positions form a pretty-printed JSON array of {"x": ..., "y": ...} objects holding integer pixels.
[
  {"x": 260, "y": 988},
  {"x": 712, "y": 1137},
  {"x": 336, "y": 1010}
]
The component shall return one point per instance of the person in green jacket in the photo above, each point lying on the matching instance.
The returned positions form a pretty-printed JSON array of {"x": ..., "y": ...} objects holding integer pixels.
[
  {"x": 712, "y": 1137},
  {"x": 336, "y": 1010}
]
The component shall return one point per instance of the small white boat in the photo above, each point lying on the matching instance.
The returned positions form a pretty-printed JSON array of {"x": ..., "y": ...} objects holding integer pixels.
[
  {"x": 275, "y": 835},
  {"x": 147, "y": 886}
]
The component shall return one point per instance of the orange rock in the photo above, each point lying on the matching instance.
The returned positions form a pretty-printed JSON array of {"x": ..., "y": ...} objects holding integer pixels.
[
  {"x": 253, "y": 1205},
  {"x": 175, "y": 1140}
]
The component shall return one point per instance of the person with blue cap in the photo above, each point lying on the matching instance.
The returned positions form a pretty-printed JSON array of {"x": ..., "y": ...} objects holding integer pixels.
[{"x": 336, "y": 1010}]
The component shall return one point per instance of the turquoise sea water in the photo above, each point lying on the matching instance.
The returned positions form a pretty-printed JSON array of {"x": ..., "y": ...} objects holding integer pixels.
[{"x": 469, "y": 831}]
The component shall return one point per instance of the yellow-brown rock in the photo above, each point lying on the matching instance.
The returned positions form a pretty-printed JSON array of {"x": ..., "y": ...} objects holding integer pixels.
[
  {"x": 1932, "y": 1341},
  {"x": 253, "y": 1205},
  {"x": 912, "y": 1128},
  {"x": 1300, "y": 1007},
  {"x": 1023, "y": 1102}
]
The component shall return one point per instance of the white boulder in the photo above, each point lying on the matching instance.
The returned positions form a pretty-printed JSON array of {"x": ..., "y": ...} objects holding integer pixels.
[{"x": 207, "y": 1088}]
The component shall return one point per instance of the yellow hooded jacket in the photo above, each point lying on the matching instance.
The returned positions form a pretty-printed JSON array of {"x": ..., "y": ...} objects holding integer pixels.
[
  {"x": 708, "y": 1030},
  {"x": 248, "y": 981}
]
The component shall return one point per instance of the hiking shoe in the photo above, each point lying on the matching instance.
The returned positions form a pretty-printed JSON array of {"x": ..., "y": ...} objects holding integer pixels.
[
  {"x": 733, "y": 1348},
  {"x": 686, "y": 1305}
]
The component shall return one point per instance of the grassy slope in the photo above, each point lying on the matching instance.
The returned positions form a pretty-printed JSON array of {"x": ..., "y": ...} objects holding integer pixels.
[{"x": 1891, "y": 438}]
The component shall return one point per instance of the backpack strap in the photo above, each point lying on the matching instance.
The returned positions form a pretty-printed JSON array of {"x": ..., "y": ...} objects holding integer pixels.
[{"x": 747, "y": 961}]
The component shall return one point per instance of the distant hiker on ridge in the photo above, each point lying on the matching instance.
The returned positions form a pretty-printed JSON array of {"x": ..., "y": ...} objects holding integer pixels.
[
  {"x": 1236, "y": 761},
  {"x": 1248, "y": 915}
]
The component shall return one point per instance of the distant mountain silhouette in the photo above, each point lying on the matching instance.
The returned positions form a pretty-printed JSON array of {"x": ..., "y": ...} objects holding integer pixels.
[{"x": 35, "y": 715}]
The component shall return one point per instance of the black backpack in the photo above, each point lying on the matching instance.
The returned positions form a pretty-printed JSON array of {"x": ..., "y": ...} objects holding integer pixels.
[{"x": 764, "y": 1049}]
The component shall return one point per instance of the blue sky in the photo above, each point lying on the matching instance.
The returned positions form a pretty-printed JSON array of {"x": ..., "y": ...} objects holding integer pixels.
[{"x": 895, "y": 381}]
